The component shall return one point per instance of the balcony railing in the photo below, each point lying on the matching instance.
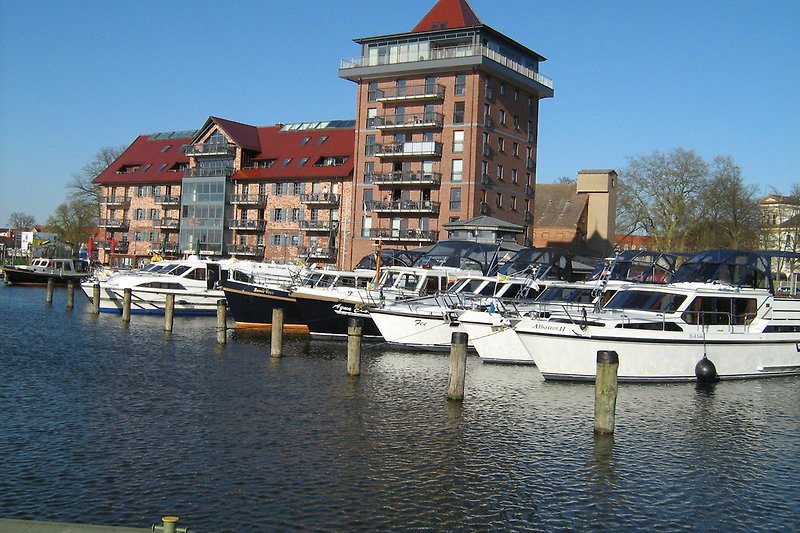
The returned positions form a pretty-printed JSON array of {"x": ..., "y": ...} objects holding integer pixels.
[
  {"x": 421, "y": 91},
  {"x": 167, "y": 199},
  {"x": 248, "y": 199},
  {"x": 402, "y": 206},
  {"x": 401, "y": 149},
  {"x": 201, "y": 172},
  {"x": 113, "y": 223},
  {"x": 319, "y": 225},
  {"x": 409, "y": 121},
  {"x": 404, "y": 178},
  {"x": 468, "y": 50},
  {"x": 242, "y": 249},
  {"x": 117, "y": 201},
  {"x": 529, "y": 190},
  {"x": 405, "y": 235},
  {"x": 317, "y": 252},
  {"x": 323, "y": 198},
  {"x": 167, "y": 223},
  {"x": 211, "y": 149},
  {"x": 247, "y": 225},
  {"x": 120, "y": 247}
]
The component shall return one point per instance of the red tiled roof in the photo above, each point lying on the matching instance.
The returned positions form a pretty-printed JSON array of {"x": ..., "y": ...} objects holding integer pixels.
[
  {"x": 280, "y": 145},
  {"x": 146, "y": 150},
  {"x": 243, "y": 135},
  {"x": 448, "y": 14}
]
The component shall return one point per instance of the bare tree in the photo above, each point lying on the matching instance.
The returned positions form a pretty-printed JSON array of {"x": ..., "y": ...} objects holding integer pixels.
[
  {"x": 20, "y": 221},
  {"x": 729, "y": 215},
  {"x": 81, "y": 186},
  {"x": 660, "y": 194}
]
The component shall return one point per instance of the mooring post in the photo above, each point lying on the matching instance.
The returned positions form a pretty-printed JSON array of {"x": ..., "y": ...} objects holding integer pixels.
[
  {"x": 277, "y": 332},
  {"x": 169, "y": 524},
  {"x": 169, "y": 312},
  {"x": 126, "y": 305},
  {"x": 458, "y": 365},
  {"x": 605, "y": 391},
  {"x": 70, "y": 294},
  {"x": 354, "y": 335},
  {"x": 50, "y": 284},
  {"x": 222, "y": 326},
  {"x": 96, "y": 298}
]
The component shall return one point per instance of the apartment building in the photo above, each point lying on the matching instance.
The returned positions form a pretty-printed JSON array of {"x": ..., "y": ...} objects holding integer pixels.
[
  {"x": 446, "y": 129},
  {"x": 229, "y": 189}
]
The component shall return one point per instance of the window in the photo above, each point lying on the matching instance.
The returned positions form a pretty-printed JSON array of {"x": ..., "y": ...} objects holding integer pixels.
[
  {"x": 154, "y": 191},
  {"x": 140, "y": 214},
  {"x": 516, "y": 94},
  {"x": 278, "y": 214},
  {"x": 145, "y": 167},
  {"x": 322, "y": 139},
  {"x": 515, "y": 149},
  {"x": 276, "y": 239},
  {"x": 372, "y": 91},
  {"x": 302, "y": 162},
  {"x": 500, "y": 172},
  {"x": 502, "y": 117},
  {"x": 514, "y": 175},
  {"x": 455, "y": 199},
  {"x": 166, "y": 148},
  {"x": 286, "y": 162},
  {"x": 370, "y": 147},
  {"x": 161, "y": 167},
  {"x": 501, "y": 144},
  {"x": 372, "y": 114},
  {"x": 401, "y": 87},
  {"x": 461, "y": 84},
  {"x": 298, "y": 188},
  {"x": 457, "y": 169},
  {"x": 279, "y": 189},
  {"x": 369, "y": 171},
  {"x": 513, "y": 203},
  {"x": 458, "y": 141},
  {"x": 304, "y": 141},
  {"x": 516, "y": 122},
  {"x": 458, "y": 113},
  {"x": 502, "y": 89}
]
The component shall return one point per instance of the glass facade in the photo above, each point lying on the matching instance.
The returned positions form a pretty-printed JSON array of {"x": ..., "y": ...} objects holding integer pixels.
[{"x": 203, "y": 214}]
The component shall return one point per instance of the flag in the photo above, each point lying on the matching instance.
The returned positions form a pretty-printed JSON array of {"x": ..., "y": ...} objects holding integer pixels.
[
  {"x": 531, "y": 284},
  {"x": 502, "y": 277}
]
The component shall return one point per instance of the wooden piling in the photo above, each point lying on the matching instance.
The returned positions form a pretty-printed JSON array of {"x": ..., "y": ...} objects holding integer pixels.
[
  {"x": 222, "y": 326},
  {"x": 96, "y": 298},
  {"x": 277, "y": 332},
  {"x": 51, "y": 283},
  {"x": 70, "y": 294},
  {"x": 605, "y": 391},
  {"x": 169, "y": 312},
  {"x": 126, "y": 305},
  {"x": 458, "y": 365},
  {"x": 354, "y": 336}
]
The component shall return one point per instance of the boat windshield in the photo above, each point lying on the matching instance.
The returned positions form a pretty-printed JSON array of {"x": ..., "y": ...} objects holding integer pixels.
[
  {"x": 560, "y": 294},
  {"x": 655, "y": 301}
]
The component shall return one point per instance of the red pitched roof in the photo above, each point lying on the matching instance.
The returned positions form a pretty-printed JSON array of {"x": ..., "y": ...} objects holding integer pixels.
[
  {"x": 244, "y": 135},
  {"x": 448, "y": 14},
  {"x": 297, "y": 145},
  {"x": 148, "y": 160}
]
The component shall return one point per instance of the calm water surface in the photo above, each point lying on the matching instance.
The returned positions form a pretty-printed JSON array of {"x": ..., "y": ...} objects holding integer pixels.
[{"x": 106, "y": 423}]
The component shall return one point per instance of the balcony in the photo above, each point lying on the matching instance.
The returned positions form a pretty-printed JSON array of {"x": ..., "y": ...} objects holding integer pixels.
[
  {"x": 486, "y": 181},
  {"x": 217, "y": 149},
  {"x": 247, "y": 225},
  {"x": 401, "y": 235},
  {"x": 528, "y": 216},
  {"x": 243, "y": 249},
  {"x": 409, "y": 121},
  {"x": 409, "y": 149},
  {"x": 484, "y": 208},
  {"x": 167, "y": 199},
  {"x": 167, "y": 224},
  {"x": 404, "y": 178},
  {"x": 257, "y": 200},
  {"x": 200, "y": 172},
  {"x": 411, "y": 93},
  {"x": 403, "y": 206},
  {"x": 317, "y": 252},
  {"x": 310, "y": 226},
  {"x": 529, "y": 190},
  {"x": 120, "y": 247},
  {"x": 115, "y": 201},
  {"x": 113, "y": 223},
  {"x": 320, "y": 199},
  {"x": 465, "y": 55}
]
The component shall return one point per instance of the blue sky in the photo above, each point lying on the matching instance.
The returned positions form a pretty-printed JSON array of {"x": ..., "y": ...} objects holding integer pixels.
[{"x": 631, "y": 76}]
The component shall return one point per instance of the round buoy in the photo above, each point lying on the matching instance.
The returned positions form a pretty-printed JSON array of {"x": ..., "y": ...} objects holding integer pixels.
[{"x": 705, "y": 371}]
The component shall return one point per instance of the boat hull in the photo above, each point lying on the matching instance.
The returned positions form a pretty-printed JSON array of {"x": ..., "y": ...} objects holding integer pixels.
[
  {"x": 154, "y": 302},
  {"x": 251, "y": 306},
  {"x": 426, "y": 331},
  {"x": 564, "y": 351},
  {"x": 494, "y": 338},
  {"x": 22, "y": 276}
]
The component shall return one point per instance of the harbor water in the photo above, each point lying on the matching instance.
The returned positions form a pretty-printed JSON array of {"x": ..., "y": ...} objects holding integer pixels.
[{"x": 103, "y": 422}]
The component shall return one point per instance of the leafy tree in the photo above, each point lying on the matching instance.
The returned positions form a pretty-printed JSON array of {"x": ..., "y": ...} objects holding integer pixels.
[
  {"x": 565, "y": 180},
  {"x": 660, "y": 195},
  {"x": 20, "y": 221},
  {"x": 74, "y": 222},
  {"x": 81, "y": 186}
]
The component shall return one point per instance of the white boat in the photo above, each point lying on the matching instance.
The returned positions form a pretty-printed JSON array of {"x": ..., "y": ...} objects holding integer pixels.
[
  {"x": 193, "y": 281},
  {"x": 492, "y": 335},
  {"x": 720, "y": 318},
  {"x": 429, "y": 323}
]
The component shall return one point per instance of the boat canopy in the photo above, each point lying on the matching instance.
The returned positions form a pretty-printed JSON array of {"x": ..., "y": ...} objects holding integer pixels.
[
  {"x": 389, "y": 257},
  {"x": 468, "y": 255},
  {"x": 552, "y": 263},
  {"x": 733, "y": 267},
  {"x": 639, "y": 266}
]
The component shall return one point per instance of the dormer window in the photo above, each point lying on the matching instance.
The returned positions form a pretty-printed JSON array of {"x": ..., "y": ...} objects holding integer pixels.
[
  {"x": 322, "y": 140},
  {"x": 167, "y": 147},
  {"x": 286, "y": 161},
  {"x": 304, "y": 141}
]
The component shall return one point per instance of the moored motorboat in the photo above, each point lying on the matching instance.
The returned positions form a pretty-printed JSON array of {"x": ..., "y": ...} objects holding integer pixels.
[
  {"x": 721, "y": 312},
  {"x": 43, "y": 269}
]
